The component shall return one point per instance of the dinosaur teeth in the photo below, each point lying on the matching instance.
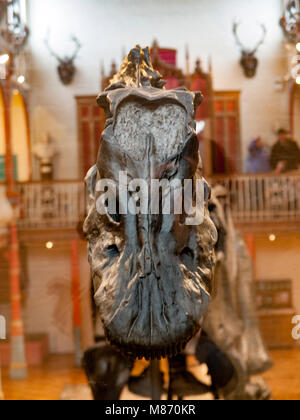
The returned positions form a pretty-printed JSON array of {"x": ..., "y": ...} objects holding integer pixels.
[{"x": 139, "y": 352}]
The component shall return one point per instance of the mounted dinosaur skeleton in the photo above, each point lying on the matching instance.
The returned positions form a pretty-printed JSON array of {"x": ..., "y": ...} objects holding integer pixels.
[
  {"x": 152, "y": 273},
  {"x": 231, "y": 323}
]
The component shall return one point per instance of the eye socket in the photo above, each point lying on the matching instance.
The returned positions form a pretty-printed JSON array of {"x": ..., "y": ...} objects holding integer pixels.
[
  {"x": 187, "y": 252},
  {"x": 187, "y": 257},
  {"x": 116, "y": 217},
  {"x": 112, "y": 251},
  {"x": 211, "y": 207}
]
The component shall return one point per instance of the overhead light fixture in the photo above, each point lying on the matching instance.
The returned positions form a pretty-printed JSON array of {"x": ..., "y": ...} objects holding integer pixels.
[
  {"x": 4, "y": 58},
  {"x": 14, "y": 34},
  {"x": 290, "y": 20},
  {"x": 290, "y": 24}
]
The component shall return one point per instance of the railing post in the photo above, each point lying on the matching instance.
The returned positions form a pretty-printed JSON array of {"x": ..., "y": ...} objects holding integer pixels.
[
  {"x": 64, "y": 211},
  {"x": 250, "y": 241}
]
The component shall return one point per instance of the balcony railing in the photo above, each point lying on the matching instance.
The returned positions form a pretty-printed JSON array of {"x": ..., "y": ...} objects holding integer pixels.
[
  {"x": 255, "y": 199},
  {"x": 53, "y": 205},
  {"x": 263, "y": 198}
]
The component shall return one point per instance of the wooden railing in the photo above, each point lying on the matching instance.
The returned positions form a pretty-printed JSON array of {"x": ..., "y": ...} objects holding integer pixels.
[
  {"x": 263, "y": 198},
  {"x": 53, "y": 205},
  {"x": 254, "y": 199}
]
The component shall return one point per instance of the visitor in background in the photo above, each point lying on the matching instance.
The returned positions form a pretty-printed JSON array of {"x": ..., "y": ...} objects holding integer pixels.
[
  {"x": 285, "y": 154},
  {"x": 258, "y": 160}
]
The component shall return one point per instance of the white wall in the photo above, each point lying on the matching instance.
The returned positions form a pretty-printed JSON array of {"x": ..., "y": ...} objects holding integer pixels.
[
  {"x": 279, "y": 260},
  {"x": 107, "y": 27},
  {"x": 48, "y": 308}
]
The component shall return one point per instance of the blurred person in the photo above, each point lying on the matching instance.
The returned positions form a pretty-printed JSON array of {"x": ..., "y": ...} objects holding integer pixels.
[
  {"x": 258, "y": 160},
  {"x": 285, "y": 155}
]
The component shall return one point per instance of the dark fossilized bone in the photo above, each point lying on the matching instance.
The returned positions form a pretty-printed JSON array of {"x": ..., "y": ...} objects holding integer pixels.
[
  {"x": 232, "y": 322},
  {"x": 152, "y": 273},
  {"x": 107, "y": 371},
  {"x": 232, "y": 345}
]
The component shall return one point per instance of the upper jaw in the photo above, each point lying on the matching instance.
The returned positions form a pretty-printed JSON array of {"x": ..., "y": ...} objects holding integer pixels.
[{"x": 131, "y": 333}]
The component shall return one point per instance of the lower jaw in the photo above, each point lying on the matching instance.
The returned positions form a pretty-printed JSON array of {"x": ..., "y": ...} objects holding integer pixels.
[{"x": 150, "y": 352}]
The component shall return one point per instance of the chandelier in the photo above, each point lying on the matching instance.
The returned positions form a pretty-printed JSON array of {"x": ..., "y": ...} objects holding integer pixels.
[
  {"x": 290, "y": 21},
  {"x": 13, "y": 32},
  {"x": 13, "y": 37},
  {"x": 290, "y": 24}
]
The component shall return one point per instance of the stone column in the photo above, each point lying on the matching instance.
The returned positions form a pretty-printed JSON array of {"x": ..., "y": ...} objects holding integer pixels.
[
  {"x": 2, "y": 337},
  {"x": 18, "y": 367},
  {"x": 1, "y": 390},
  {"x": 76, "y": 301}
]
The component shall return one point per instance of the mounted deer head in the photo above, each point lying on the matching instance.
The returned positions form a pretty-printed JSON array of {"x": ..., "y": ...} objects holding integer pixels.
[
  {"x": 249, "y": 61},
  {"x": 66, "y": 68}
]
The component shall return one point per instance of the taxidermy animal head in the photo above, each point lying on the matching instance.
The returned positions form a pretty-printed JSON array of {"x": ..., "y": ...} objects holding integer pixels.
[
  {"x": 66, "y": 68},
  {"x": 249, "y": 61},
  {"x": 152, "y": 270}
]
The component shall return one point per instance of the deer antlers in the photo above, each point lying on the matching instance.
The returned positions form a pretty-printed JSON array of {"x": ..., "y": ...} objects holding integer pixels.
[
  {"x": 239, "y": 43},
  {"x": 248, "y": 60},
  {"x": 66, "y": 68},
  {"x": 66, "y": 59},
  {"x": 78, "y": 47}
]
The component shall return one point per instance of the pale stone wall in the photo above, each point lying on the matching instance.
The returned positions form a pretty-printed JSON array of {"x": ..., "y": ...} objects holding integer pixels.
[
  {"x": 106, "y": 28},
  {"x": 279, "y": 260},
  {"x": 48, "y": 308}
]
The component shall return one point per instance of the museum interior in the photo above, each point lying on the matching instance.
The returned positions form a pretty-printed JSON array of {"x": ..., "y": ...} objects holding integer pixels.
[{"x": 72, "y": 325}]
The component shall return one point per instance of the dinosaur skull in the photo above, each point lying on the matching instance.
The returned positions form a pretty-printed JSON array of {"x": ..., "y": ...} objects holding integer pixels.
[{"x": 152, "y": 273}]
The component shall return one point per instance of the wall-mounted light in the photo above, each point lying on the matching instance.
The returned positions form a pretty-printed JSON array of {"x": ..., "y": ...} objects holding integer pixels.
[
  {"x": 49, "y": 245},
  {"x": 272, "y": 238},
  {"x": 298, "y": 47},
  {"x": 21, "y": 79}
]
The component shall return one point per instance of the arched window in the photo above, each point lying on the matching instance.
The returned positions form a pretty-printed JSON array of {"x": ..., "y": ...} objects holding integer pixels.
[{"x": 20, "y": 136}]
